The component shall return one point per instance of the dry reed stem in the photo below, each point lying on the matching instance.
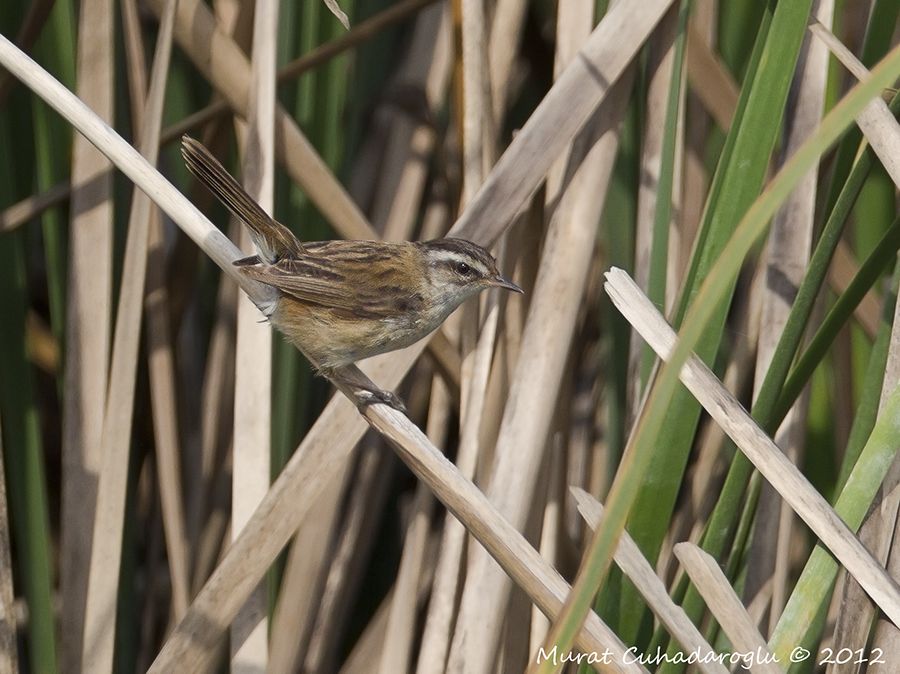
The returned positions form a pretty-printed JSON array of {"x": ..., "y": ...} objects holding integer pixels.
[
  {"x": 477, "y": 345},
  {"x": 503, "y": 49},
  {"x": 103, "y": 574},
  {"x": 545, "y": 344},
  {"x": 442, "y": 604},
  {"x": 401, "y": 172},
  {"x": 759, "y": 448},
  {"x": 253, "y": 353},
  {"x": 435, "y": 639},
  {"x": 573, "y": 23},
  {"x": 788, "y": 251},
  {"x": 135, "y": 62},
  {"x": 216, "y": 414},
  {"x": 163, "y": 397},
  {"x": 365, "y": 500},
  {"x": 550, "y": 517},
  {"x": 475, "y": 97},
  {"x": 9, "y": 660},
  {"x": 401, "y": 627},
  {"x": 725, "y": 605},
  {"x": 397, "y": 652},
  {"x": 304, "y": 572},
  {"x": 88, "y": 321},
  {"x": 637, "y": 569},
  {"x": 876, "y": 121},
  {"x": 474, "y": 379},
  {"x": 160, "y": 356}
]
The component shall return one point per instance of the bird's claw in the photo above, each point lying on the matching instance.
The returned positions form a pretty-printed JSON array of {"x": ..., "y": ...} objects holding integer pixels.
[{"x": 364, "y": 398}]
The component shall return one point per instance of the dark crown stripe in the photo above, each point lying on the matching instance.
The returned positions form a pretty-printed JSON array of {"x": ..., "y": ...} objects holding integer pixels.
[{"x": 464, "y": 248}]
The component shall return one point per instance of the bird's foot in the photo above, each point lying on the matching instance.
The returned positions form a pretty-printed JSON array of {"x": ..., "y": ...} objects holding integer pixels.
[{"x": 366, "y": 397}]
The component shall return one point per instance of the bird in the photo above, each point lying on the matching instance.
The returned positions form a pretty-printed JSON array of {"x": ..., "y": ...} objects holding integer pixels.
[{"x": 342, "y": 301}]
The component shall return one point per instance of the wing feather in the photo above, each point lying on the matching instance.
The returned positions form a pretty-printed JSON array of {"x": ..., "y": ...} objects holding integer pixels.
[{"x": 353, "y": 292}]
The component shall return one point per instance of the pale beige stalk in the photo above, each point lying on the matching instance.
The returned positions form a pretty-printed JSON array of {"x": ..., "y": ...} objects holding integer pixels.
[
  {"x": 396, "y": 654},
  {"x": 160, "y": 357},
  {"x": 88, "y": 324},
  {"x": 573, "y": 24},
  {"x": 503, "y": 49},
  {"x": 475, "y": 96},
  {"x": 115, "y": 442},
  {"x": 348, "y": 558},
  {"x": 550, "y": 535},
  {"x": 399, "y": 171},
  {"x": 301, "y": 584},
  {"x": 163, "y": 399},
  {"x": 253, "y": 357}
]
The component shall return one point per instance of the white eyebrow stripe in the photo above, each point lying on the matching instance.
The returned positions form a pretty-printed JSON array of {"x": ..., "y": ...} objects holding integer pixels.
[{"x": 453, "y": 256}]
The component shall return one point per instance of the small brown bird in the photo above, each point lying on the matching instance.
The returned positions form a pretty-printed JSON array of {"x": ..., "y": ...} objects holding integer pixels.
[{"x": 343, "y": 301}]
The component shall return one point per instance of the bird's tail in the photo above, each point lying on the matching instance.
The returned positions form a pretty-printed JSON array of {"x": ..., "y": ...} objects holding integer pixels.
[{"x": 274, "y": 240}]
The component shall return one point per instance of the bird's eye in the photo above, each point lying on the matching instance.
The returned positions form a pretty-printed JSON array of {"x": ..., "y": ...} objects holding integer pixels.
[{"x": 463, "y": 269}]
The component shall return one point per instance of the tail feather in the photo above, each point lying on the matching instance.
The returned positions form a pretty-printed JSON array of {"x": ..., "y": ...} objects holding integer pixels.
[{"x": 274, "y": 240}]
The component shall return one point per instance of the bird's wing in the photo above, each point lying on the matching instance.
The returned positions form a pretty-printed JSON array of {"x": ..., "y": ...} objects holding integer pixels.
[{"x": 310, "y": 285}]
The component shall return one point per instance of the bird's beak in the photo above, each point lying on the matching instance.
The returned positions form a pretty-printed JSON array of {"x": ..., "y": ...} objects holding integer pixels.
[{"x": 501, "y": 282}]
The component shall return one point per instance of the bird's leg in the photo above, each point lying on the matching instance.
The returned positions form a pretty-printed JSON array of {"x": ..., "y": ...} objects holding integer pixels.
[{"x": 364, "y": 391}]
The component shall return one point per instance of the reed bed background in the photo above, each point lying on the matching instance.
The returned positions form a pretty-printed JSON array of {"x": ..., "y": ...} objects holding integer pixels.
[{"x": 179, "y": 493}]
